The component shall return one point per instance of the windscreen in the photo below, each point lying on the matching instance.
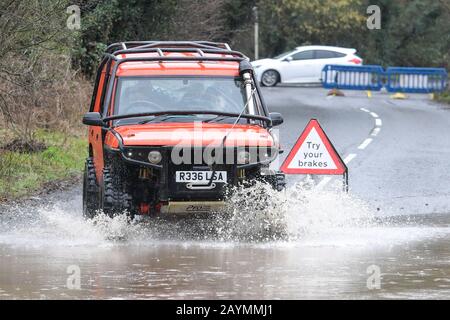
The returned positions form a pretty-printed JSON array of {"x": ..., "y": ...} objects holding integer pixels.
[{"x": 155, "y": 94}]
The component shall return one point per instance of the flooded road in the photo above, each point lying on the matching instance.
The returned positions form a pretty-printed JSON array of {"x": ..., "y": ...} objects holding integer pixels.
[
  {"x": 388, "y": 238},
  {"x": 329, "y": 253}
]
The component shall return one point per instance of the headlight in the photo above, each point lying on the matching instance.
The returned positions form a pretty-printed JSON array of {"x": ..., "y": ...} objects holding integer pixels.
[
  {"x": 257, "y": 66},
  {"x": 154, "y": 157},
  {"x": 243, "y": 157}
]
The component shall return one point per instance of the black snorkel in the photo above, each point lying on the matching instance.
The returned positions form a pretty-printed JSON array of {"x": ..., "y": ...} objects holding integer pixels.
[{"x": 245, "y": 71}]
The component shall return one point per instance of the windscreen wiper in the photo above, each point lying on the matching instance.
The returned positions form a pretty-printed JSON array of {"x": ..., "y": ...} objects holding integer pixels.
[
  {"x": 148, "y": 114},
  {"x": 218, "y": 118},
  {"x": 164, "y": 117}
]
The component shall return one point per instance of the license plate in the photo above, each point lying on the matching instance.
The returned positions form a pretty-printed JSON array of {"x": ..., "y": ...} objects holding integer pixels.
[{"x": 200, "y": 177}]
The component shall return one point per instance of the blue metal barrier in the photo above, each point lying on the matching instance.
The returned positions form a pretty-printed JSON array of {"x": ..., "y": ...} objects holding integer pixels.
[
  {"x": 365, "y": 77},
  {"x": 416, "y": 80},
  {"x": 395, "y": 79}
]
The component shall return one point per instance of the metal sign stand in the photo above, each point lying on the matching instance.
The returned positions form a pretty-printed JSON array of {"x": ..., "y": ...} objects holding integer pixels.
[{"x": 345, "y": 180}]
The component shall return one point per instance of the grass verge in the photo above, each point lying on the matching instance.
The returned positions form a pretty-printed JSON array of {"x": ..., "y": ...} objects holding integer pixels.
[
  {"x": 443, "y": 97},
  {"x": 25, "y": 173}
]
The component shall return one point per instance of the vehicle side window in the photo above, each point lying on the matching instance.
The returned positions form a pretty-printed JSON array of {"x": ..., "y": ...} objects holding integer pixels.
[
  {"x": 105, "y": 84},
  {"x": 303, "y": 55},
  {"x": 98, "y": 91},
  {"x": 102, "y": 91},
  {"x": 326, "y": 54}
]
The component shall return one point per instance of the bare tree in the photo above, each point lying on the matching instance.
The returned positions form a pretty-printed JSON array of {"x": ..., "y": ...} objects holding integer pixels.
[
  {"x": 199, "y": 20},
  {"x": 31, "y": 61}
]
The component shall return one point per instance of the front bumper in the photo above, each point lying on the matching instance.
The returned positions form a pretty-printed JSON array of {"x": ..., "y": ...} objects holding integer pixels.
[{"x": 184, "y": 208}]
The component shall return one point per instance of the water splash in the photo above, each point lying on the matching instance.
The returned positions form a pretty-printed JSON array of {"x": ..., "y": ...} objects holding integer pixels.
[
  {"x": 261, "y": 213},
  {"x": 256, "y": 214}
]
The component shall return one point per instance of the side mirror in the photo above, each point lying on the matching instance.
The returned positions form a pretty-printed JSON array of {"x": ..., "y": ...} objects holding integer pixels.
[
  {"x": 93, "y": 119},
  {"x": 289, "y": 59},
  {"x": 277, "y": 118}
]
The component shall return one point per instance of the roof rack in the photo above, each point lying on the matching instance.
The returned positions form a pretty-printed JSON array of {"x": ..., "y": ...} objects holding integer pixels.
[
  {"x": 199, "y": 47},
  {"x": 173, "y": 44},
  {"x": 222, "y": 50}
]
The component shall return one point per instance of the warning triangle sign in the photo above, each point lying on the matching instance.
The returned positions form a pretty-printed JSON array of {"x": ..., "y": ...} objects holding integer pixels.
[{"x": 313, "y": 153}]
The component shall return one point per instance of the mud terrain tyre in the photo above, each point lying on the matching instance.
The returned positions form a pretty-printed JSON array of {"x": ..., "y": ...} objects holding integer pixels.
[
  {"x": 114, "y": 198},
  {"x": 90, "y": 190},
  {"x": 278, "y": 182}
]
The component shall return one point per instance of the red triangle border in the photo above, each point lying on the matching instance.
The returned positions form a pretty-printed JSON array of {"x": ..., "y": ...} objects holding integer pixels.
[{"x": 341, "y": 168}]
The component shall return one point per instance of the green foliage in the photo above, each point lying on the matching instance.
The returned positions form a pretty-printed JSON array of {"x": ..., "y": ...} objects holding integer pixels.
[
  {"x": 444, "y": 97},
  {"x": 238, "y": 14},
  {"x": 108, "y": 21},
  {"x": 286, "y": 24},
  {"x": 414, "y": 32}
]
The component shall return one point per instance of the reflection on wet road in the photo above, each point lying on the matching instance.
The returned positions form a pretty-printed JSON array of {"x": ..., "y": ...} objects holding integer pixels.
[{"x": 330, "y": 255}]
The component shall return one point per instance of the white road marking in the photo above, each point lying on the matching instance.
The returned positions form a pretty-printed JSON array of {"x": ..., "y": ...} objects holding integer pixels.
[
  {"x": 375, "y": 131},
  {"x": 349, "y": 158},
  {"x": 323, "y": 183},
  {"x": 364, "y": 145}
]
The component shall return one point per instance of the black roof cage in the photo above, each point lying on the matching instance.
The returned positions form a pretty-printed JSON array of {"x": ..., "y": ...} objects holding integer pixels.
[
  {"x": 155, "y": 44},
  {"x": 199, "y": 47}
]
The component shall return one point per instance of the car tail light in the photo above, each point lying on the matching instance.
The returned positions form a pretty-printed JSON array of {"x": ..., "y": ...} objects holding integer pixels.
[{"x": 355, "y": 61}]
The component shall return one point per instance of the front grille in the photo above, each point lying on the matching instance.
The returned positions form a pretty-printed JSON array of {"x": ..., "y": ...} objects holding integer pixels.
[
  {"x": 169, "y": 189},
  {"x": 195, "y": 156}
]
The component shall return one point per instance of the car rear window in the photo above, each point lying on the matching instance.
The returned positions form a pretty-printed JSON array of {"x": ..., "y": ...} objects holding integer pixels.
[
  {"x": 328, "y": 54},
  {"x": 303, "y": 55}
]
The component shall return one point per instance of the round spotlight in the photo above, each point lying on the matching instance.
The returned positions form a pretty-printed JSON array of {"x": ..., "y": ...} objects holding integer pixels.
[
  {"x": 243, "y": 157},
  {"x": 154, "y": 157}
]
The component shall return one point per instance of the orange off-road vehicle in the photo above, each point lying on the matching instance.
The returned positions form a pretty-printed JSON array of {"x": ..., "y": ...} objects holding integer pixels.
[{"x": 172, "y": 125}]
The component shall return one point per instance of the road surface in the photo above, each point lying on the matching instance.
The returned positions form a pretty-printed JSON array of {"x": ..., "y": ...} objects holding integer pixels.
[{"x": 388, "y": 238}]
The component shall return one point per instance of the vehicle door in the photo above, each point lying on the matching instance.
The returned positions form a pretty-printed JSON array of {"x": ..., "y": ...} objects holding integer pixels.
[
  {"x": 298, "y": 67},
  {"x": 95, "y": 132}
]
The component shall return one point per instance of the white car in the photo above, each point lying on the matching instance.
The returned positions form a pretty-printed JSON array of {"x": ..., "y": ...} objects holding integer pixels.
[{"x": 302, "y": 65}]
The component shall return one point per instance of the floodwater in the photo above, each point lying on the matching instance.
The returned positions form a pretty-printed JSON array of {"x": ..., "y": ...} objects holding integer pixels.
[{"x": 326, "y": 246}]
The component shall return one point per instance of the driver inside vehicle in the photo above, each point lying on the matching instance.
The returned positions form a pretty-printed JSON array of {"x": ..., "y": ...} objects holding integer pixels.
[
  {"x": 141, "y": 96},
  {"x": 200, "y": 97}
]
